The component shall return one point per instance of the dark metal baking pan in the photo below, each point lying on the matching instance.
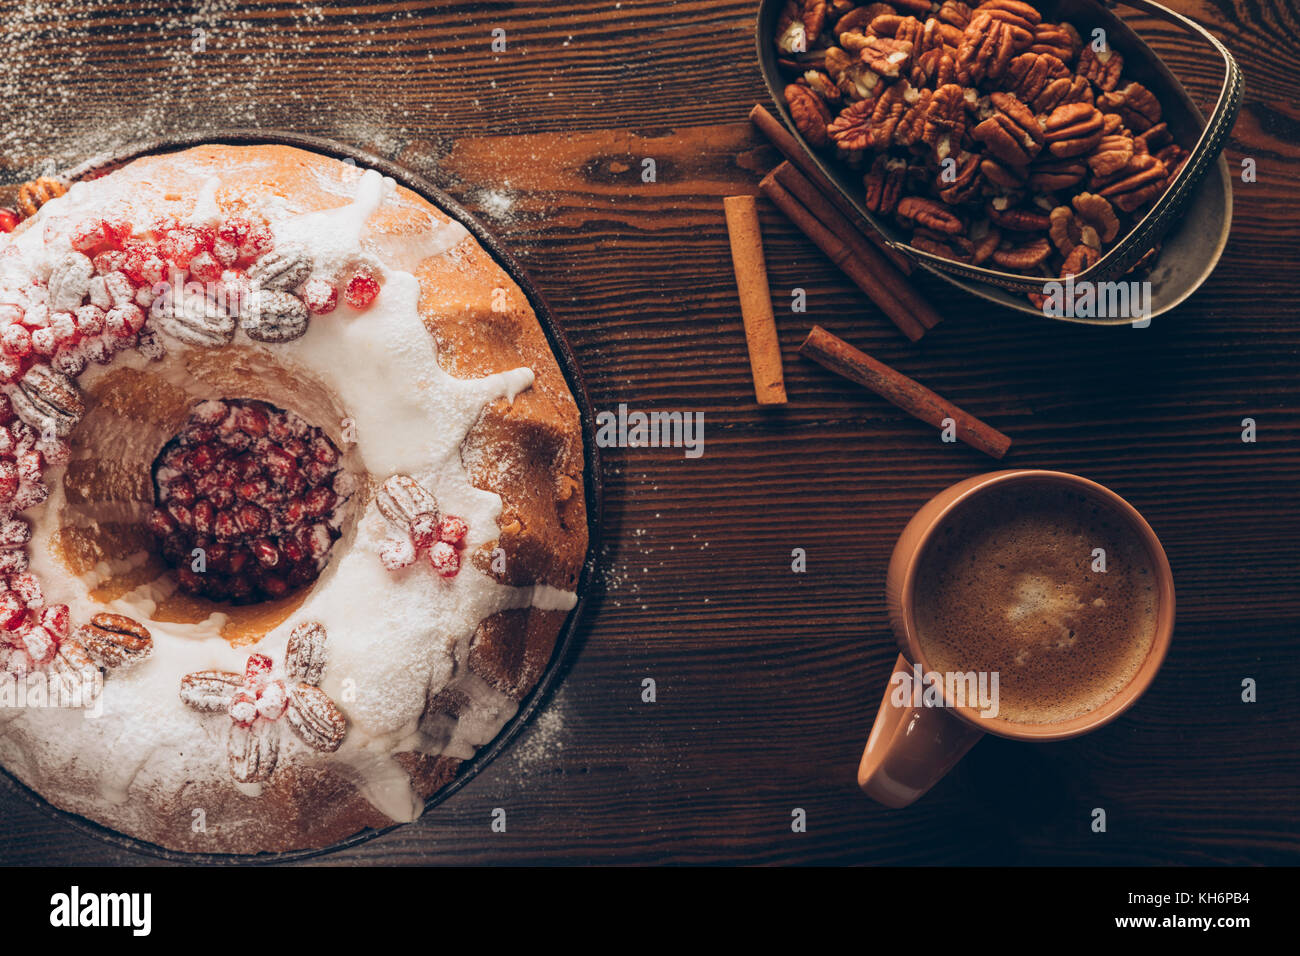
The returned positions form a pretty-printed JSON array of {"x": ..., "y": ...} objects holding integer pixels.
[{"x": 567, "y": 640}]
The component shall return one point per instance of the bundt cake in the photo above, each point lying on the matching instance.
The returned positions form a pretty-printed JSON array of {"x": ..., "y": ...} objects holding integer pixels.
[{"x": 291, "y": 499}]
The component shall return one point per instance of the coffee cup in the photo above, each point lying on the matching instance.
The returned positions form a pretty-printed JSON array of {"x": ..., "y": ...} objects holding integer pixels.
[{"x": 1034, "y": 605}]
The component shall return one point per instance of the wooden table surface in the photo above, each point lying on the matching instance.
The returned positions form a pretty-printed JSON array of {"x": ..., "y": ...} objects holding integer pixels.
[{"x": 768, "y": 680}]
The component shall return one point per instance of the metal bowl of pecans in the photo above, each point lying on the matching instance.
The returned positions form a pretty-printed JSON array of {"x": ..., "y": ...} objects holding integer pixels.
[{"x": 1004, "y": 145}]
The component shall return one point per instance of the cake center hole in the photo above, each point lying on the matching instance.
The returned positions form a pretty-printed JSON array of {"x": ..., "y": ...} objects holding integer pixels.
[{"x": 246, "y": 501}]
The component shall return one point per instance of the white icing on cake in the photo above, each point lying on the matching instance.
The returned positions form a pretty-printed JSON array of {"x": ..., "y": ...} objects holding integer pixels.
[{"x": 395, "y": 638}]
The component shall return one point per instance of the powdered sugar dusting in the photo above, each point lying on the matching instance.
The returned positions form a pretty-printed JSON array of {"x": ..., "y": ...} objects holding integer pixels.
[
  {"x": 396, "y": 638},
  {"x": 212, "y": 65}
]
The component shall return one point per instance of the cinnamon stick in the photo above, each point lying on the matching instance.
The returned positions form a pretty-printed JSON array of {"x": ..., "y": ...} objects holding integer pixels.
[
  {"x": 880, "y": 268},
  {"x": 842, "y": 254},
  {"x": 789, "y": 147},
  {"x": 755, "y": 299},
  {"x": 911, "y": 396}
]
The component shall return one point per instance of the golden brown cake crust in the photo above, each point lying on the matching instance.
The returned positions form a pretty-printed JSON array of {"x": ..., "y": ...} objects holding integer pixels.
[{"x": 529, "y": 451}]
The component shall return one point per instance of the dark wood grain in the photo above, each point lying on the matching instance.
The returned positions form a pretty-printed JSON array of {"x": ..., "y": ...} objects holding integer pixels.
[{"x": 768, "y": 680}]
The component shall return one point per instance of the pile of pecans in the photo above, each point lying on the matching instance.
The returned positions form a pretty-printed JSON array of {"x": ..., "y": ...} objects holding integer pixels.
[{"x": 990, "y": 135}]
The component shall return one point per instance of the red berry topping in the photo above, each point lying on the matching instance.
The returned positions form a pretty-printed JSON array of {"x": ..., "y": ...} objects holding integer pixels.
[
  {"x": 45, "y": 341},
  {"x": 13, "y": 612},
  {"x": 234, "y": 473},
  {"x": 54, "y": 618},
  {"x": 397, "y": 553},
  {"x": 321, "y": 297},
  {"x": 319, "y": 502},
  {"x": 266, "y": 553},
  {"x": 110, "y": 260},
  {"x": 243, "y": 708},
  {"x": 28, "y": 589},
  {"x": 39, "y": 643},
  {"x": 257, "y": 670},
  {"x": 88, "y": 235},
  {"x": 122, "y": 322},
  {"x": 206, "y": 268},
  {"x": 117, "y": 229},
  {"x": 424, "y": 530},
  {"x": 445, "y": 559},
  {"x": 452, "y": 530},
  {"x": 16, "y": 340},
  {"x": 8, "y": 219},
  {"x": 234, "y": 230},
  {"x": 361, "y": 289},
  {"x": 257, "y": 243},
  {"x": 163, "y": 225},
  {"x": 160, "y": 523},
  {"x": 272, "y": 700}
]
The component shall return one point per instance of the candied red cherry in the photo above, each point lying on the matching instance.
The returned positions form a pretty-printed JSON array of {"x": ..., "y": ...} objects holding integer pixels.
[
  {"x": 236, "y": 560},
  {"x": 204, "y": 517},
  {"x": 64, "y": 326},
  {"x": 320, "y": 297},
  {"x": 121, "y": 322},
  {"x": 361, "y": 290},
  {"x": 424, "y": 530},
  {"x": 293, "y": 551},
  {"x": 452, "y": 530},
  {"x": 8, "y": 219},
  {"x": 319, "y": 540},
  {"x": 256, "y": 670},
  {"x": 272, "y": 700},
  {"x": 252, "y": 519},
  {"x": 57, "y": 452},
  {"x": 251, "y": 420},
  {"x": 234, "y": 229},
  {"x": 445, "y": 559},
  {"x": 89, "y": 320},
  {"x": 226, "y": 525},
  {"x": 266, "y": 553},
  {"x": 144, "y": 266},
  {"x": 16, "y": 340},
  {"x": 319, "y": 501},
  {"x": 279, "y": 464},
  {"x": 39, "y": 643},
  {"x": 181, "y": 246},
  {"x": 254, "y": 489},
  {"x": 225, "y": 253},
  {"x": 273, "y": 584},
  {"x": 13, "y": 561},
  {"x": 210, "y": 412},
  {"x": 181, "y": 491},
  {"x": 88, "y": 235},
  {"x": 397, "y": 553},
  {"x": 257, "y": 243},
  {"x": 243, "y": 708},
  {"x": 29, "y": 465},
  {"x": 162, "y": 225},
  {"x": 160, "y": 523},
  {"x": 205, "y": 268},
  {"x": 54, "y": 618},
  {"x": 117, "y": 229},
  {"x": 11, "y": 369},
  {"x": 45, "y": 341},
  {"x": 110, "y": 260},
  {"x": 13, "y": 611}
]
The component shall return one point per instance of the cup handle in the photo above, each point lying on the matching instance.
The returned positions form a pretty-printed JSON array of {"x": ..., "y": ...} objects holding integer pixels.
[{"x": 910, "y": 748}]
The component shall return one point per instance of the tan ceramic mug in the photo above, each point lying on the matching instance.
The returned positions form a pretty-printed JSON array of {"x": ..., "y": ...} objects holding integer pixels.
[{"x": 911, "y": 747}]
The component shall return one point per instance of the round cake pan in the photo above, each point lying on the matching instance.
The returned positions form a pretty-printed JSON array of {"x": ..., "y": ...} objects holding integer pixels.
[{"x": 568, "y": 638}]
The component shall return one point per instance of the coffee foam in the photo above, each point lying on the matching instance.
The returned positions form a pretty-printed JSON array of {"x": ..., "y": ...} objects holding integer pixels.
[{"x": 1007, "y": 585}]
